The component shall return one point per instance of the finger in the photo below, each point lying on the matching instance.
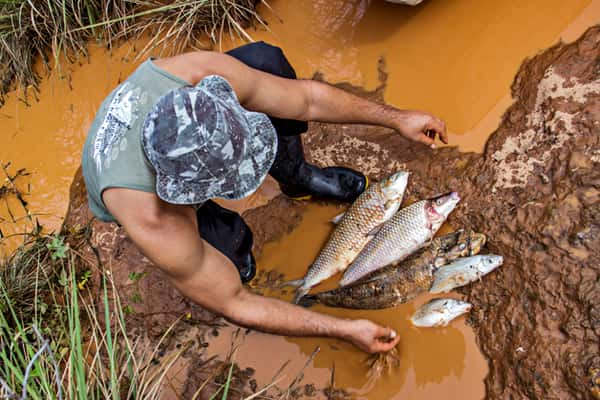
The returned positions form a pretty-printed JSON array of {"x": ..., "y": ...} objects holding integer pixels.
[
  {"x": 439, "y": 127},
  {"x": 385, "y": 334},
  {"x": 443, "y": 132},
  {"x": 425, "y": 139},
  {"x": 381, "y": 347},
  {"x": 436, "y": 124}
]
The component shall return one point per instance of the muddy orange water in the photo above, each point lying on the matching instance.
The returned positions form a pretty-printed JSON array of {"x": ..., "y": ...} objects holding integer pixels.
[
  {"x": 454, "y": 58},
  {"x": 434, "y": 362}
]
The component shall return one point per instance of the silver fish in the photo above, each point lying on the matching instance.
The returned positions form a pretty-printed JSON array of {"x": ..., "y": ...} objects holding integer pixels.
[
  {"x": 439, "y": 312},
  {"x": 464, "y": 271},
  {"x": 397, "y": 284},
  {"x": 406, "y": 232},
  {"x": 372, "y": 208}
]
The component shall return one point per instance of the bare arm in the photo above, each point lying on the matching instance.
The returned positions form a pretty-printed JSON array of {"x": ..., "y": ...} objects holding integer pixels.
[
  {"x": 168, "y": 236},
  {"x": 305, "y": 100}
]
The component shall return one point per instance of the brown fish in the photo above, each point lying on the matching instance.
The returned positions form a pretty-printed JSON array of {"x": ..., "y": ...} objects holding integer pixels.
[
  {"x": 373, "y": 207},
  {"x": 397, "y": 284}
]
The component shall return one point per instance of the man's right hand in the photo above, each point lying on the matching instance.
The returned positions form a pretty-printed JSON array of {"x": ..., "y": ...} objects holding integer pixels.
[
  {"x": 168, "y": 236},
  {"x": 371, "y": 337}
]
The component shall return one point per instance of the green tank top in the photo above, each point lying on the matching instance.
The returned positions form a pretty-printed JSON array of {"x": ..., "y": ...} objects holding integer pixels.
[{"x": 113, "y": 155}]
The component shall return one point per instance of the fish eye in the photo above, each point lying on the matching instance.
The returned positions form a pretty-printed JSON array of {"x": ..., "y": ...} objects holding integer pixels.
[
  {"x": 490, "y": 261},
  {"x": 439, "y": 202},
  {"x": 462, "y": 246}
]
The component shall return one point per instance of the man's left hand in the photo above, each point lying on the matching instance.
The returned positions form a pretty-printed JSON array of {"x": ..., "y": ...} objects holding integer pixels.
[{"x": 421, "y": 127}]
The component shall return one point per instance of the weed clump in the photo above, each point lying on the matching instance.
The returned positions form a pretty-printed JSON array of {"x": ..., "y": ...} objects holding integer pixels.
[
  {"x": 59, "y": 340},
  {"x": 32, "y": 30}
]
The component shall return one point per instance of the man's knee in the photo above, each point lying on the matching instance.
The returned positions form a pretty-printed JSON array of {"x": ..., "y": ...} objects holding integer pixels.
[{"x": 264, "y": 57}]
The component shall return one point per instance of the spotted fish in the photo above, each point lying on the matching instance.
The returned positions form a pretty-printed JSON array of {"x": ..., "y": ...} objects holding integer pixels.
[
  {"x": 406, "y": 232},
  {"x": 369, "y": 211},
  {"x": 397, "y": 284}
]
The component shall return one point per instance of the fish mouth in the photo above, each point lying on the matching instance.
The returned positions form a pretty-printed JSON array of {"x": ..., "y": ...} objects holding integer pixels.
[
  {"x": 432, "y": 213},
  {"x": 475, "y": 241},
  {"x": 450, "y": 195},
  {"x": 491, "y": 262},
  {"x": 445, "y": 203},
  {"x": 466, "y": 245}
]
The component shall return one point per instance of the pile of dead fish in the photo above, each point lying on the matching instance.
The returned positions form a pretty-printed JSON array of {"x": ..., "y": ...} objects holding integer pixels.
[{"x": 390, "y": 255}]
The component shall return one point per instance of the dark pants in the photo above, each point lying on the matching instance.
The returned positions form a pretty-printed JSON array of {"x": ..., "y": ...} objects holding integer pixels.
[{"x": 224, "y": 229}]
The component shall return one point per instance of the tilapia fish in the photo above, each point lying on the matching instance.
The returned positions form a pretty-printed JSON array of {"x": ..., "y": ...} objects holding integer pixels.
[
  {"x": 406, "y": 232},
  {"x": 463, "y": 271},
  {"x": 372, "y": 208},
  {"x": 397, "y": 284},
  {"x": 439, "y": 312}
]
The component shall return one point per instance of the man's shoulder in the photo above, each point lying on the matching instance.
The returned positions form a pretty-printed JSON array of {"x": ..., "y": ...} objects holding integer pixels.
[
  {"x": 138, "y": 206},
  {"x": 195, "y": 66}
]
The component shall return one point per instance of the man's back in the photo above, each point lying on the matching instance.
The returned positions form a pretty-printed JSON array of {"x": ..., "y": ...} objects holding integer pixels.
[{"x": 113, "y": 155}]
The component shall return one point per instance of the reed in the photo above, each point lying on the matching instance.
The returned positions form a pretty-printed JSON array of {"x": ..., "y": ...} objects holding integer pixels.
[
  {"x": 50, "y": 30},
  {"x": 58, "y": 342}
]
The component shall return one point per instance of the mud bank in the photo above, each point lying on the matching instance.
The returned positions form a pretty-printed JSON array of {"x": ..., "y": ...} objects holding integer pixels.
[{"x": 534, "y": 191}]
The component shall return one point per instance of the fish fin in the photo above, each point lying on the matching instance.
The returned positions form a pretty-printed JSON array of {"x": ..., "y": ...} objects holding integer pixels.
[
  {"x": 307, "y": 300},
  {"x": 374, "y": 231},
  {"x": 295, "y": 283},
  {"x": 300, "y": 293},
  {"x": 336, "y": 220}
]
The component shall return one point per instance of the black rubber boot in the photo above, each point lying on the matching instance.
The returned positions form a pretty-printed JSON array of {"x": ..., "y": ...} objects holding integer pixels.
[
  {"x": 226, "y": 231},
  {"x": 299, "y": 179},
  {"x": 336, "y": 183}
]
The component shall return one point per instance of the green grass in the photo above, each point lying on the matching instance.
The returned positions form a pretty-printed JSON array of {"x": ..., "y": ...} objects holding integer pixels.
[
  {"x": 32, "y": 30},
  {"x": 54, "y": 345}
]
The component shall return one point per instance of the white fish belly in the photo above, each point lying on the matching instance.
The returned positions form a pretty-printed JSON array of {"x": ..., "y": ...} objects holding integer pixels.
[{"x": 439, "y": 312}]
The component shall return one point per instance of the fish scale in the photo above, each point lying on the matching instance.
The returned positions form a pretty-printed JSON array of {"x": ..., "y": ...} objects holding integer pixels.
[
  {"x": 371, "y": 209},
  {"x": 408, "y": 283},
  {"x": 404, "y": 233},
  {"x": 397, "y": 284},
  {"x": 349, "y": 237}
]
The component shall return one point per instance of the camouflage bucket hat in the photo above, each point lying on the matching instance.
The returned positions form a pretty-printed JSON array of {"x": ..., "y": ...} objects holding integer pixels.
[{"x": 203, "y": 144}]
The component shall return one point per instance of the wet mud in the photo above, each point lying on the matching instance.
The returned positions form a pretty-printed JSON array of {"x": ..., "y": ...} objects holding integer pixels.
[
  {"x": 465, "y": 81},
  {"x": 535, "y": 191},
  {"x": 431, "y": 363}
]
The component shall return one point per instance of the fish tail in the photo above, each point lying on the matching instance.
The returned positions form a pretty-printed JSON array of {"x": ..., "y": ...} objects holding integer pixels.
[
  {"x": 308, "y": 300},
  {"x": 295, "y": 283}
]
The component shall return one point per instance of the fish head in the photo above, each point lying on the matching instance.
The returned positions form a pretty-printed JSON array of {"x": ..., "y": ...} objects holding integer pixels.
[
  {"x": 489, "y": 262},
  {"x": 448, "y": 307},
  {"x": 468, "y": 243},
  {"x": 444, "y": 243},
  {"x": 392, "y": 188},
  {"x": 457, "y": 307},
  {"x": 444, "y": 204},
  {"x": 476, "y": 242},
  {"x": 439, "y": 312}
]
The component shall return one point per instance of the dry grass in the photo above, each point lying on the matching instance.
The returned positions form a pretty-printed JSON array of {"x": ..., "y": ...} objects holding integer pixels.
[{"x": 32, "y": 30}]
